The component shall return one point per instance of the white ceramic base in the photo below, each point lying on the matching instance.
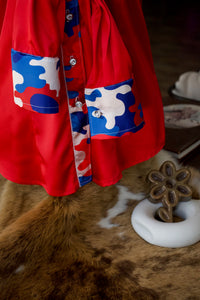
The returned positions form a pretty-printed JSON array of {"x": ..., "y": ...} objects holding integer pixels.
[{"x": 171, "y": 235}]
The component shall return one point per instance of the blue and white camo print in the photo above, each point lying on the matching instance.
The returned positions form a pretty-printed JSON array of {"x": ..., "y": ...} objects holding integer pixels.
[{"x": 109, "y": 109}]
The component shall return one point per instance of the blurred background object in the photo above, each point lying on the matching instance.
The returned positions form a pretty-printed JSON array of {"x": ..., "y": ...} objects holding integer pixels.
[{"x": 174, "y": 32}]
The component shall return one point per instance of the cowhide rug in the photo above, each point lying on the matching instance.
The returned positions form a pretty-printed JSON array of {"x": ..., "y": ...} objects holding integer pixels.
[{"x": 83, "y": 246}]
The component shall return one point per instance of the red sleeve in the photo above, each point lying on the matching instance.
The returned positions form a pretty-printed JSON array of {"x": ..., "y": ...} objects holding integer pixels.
[
  {"x": 38, "y": 26},
  {"x": 38, "y": 30}
]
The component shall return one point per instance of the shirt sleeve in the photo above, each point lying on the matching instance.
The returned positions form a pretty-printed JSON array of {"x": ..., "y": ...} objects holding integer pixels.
[{"x": 35, "y": 54}]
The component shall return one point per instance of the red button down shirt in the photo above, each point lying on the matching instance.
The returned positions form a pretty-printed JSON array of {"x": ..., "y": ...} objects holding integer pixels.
[{"x": 79, "y": 95}]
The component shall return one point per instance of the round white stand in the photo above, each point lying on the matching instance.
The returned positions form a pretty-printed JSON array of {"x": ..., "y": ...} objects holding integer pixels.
[{"x": 171, "y": 235}]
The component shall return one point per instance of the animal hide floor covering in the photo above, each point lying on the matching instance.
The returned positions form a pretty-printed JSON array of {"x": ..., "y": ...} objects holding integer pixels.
[{"x": 83, "y": 246}]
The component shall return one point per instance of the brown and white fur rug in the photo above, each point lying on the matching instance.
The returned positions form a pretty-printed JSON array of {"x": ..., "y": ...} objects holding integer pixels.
[{"x": 83, "y": 246}]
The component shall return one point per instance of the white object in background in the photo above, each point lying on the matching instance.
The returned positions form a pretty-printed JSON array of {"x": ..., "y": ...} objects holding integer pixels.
[
  {"x": 188, "y": 86},
  {"x": 171, "y": 235}
]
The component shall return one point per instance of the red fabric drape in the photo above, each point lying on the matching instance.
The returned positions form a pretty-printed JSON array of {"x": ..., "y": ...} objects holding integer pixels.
[{"x": 38, "y": 148}]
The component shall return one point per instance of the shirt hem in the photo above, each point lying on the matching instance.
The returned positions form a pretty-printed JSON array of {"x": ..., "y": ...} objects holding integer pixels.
[
  {"x": 76, "y": 186},
  {"x": 117, "y": 178}
]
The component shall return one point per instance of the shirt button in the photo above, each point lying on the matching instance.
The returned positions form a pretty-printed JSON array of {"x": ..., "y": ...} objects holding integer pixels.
[
  {"x": 69, "y": 17},
  {"x": 79, "y": 104},
  {"x": 97, "y": 114},
  {"x": 72, "y": 61}
]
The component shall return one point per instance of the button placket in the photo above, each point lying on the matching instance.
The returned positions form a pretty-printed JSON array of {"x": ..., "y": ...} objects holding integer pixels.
[{"x": 75, "y": 78}]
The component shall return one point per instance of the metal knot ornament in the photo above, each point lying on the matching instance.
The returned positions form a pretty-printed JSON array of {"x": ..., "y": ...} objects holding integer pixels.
[{"x": 169, "y": 186}]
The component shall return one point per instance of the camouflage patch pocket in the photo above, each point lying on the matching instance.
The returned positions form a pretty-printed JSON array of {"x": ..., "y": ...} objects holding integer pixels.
[{"x": 36, "y": 82}]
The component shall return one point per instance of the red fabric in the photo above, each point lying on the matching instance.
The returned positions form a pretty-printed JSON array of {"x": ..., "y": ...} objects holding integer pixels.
[
  {"x": 38, "y": 26},
  {"x": 2, "y": 10},
  {"x": 106, "y": 48},
  {"x": 38, "y": 148},
  {"x": 34, "y": 147},
  {"x": 147, "y": 142}
]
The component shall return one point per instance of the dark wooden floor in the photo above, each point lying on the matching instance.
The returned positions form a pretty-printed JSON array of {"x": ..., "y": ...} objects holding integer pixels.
[{"x": 174, "y": 32}]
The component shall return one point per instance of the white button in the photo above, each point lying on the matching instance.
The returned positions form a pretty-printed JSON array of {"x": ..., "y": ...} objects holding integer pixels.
[
  {"x": 72, "y": 61},
  {"x": 97, "y": 113},
  {"x": 69, "y": 17},
  {"x": 79, "y": 104}
]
